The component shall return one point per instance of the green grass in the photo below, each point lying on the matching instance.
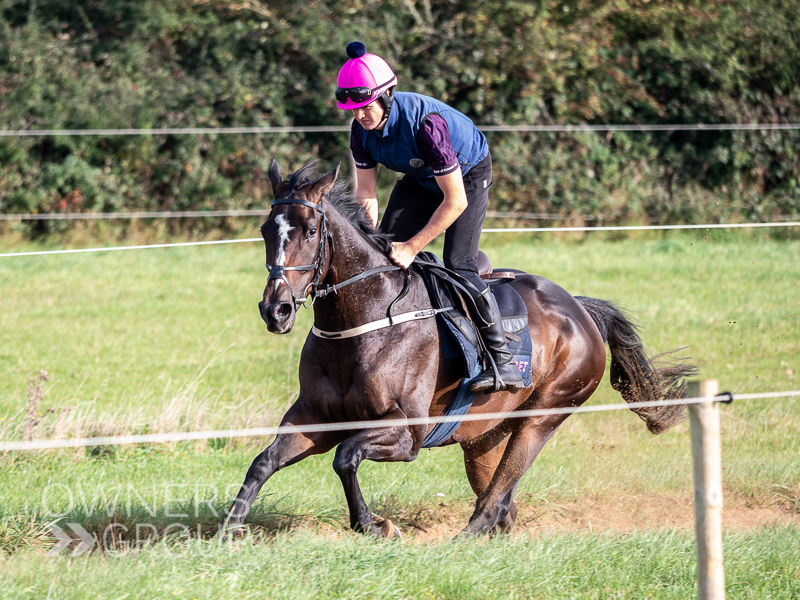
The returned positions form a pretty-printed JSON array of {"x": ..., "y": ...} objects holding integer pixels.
[
  {"x": 128, "y": 329},
  {"x": 171, "y": 339},
  {"x": 761, "y": 566}
]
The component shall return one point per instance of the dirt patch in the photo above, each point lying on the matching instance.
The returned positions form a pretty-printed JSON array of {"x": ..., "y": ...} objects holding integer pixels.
[
  {"x": 625, "y": 514},
  {"x": 442, "y": 522}
]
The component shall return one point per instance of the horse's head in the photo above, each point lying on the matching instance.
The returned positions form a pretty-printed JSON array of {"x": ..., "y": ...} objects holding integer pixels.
[{"x": 297, "y": 241}]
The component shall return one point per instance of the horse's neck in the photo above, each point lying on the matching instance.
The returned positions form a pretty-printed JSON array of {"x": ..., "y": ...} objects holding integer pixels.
[
  {"x": 353, "y": 253},
  {"x": 363, "y": 300}
]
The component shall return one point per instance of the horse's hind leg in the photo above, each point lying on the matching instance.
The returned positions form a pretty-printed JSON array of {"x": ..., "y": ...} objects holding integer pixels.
[
  {"x": 380, "y": 445},
  {"x": 495, "y": 506},
  {"x": 481, "y": 459}
]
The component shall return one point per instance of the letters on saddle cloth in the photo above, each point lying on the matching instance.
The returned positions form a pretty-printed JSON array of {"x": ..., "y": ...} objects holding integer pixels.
[{"x": 460, "y": 339}]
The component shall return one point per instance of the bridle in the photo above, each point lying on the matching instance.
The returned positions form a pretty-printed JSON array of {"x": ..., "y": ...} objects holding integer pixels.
[
  {"x": 314, "y": 289},
  {"x": 278, "y": 272}
]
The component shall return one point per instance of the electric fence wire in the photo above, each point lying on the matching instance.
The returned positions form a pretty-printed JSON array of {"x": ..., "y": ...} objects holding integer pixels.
[
  {"x": 177, "y": 214},
  {"x": 707, "y": 226},
  {"x": 376, "y": 424},
  {"x": 580, "y": 128},
  {"x": 183, "y": 214}
]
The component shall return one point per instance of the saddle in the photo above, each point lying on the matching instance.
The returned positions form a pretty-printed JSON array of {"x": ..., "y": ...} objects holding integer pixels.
[{"x": 460, "y": 337}]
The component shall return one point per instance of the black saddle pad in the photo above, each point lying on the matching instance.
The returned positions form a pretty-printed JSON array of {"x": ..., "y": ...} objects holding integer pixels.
[{"x": 444, "y": 294}]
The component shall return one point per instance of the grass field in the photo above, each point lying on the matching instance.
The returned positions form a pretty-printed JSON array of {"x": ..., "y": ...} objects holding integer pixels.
[{"x": 166, "y": 340}]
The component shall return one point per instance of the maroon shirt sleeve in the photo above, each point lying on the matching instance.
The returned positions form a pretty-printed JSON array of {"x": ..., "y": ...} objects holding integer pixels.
[
  {"x": 361, "y": 157},
  {"x": 433, "y": 142}
]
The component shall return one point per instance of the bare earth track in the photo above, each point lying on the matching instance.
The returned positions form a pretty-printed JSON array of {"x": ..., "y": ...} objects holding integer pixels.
[{"x": 626, "y": 514}]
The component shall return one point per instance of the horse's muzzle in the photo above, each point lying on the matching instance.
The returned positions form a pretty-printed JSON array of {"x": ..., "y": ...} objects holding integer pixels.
[{"x": 279, "y": 317}]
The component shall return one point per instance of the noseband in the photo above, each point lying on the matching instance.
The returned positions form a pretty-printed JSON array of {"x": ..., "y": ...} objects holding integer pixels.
[{"x": 277, "y": 272}]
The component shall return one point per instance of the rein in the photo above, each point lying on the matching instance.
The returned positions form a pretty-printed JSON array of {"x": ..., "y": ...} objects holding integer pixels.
[{"x": 321, "y": 292}]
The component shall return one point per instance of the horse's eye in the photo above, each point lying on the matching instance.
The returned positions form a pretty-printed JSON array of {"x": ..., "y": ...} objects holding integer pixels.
[{"x": 312, "y": 232}]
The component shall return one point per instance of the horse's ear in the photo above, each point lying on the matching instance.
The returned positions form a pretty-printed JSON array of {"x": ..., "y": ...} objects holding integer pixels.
[
  {"x": 278, "y": 186},
  {"x": 324, "y": 184}
]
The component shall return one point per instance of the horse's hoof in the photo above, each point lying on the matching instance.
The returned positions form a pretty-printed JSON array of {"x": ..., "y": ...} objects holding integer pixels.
[
  {"x": 387, "y": 528},
  {"x": 467, "y": 534},
  {"x": 232, "y": 532}
]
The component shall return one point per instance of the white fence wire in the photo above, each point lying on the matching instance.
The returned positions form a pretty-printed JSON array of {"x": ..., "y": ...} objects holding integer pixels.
[
  {"x": 359, "y": 425},
  {"x": 345, "y": 128},
  {"x": 184, "y": 214},
  {"x": 639, "y": 227},
  {"x": 164, "y": 214},
  {"x": 143, "y": 247},
  {"x": 707, "y": 226}
]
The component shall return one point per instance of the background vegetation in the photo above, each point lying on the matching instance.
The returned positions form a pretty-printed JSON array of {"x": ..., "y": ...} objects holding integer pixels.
[{"x": 176, "y": 63}]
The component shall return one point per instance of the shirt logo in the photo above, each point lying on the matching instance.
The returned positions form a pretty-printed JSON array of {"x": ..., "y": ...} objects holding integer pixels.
[{"x": 416, "y": 163}]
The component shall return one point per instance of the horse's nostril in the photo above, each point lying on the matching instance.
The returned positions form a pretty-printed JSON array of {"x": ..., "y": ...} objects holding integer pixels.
[{"x": 283, "y": 311}]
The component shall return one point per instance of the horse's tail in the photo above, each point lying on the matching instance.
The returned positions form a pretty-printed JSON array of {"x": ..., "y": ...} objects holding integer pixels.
[{"x": 634, "y": 374}]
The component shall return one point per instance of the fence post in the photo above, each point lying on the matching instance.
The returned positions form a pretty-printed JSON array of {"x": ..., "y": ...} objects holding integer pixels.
[{"x": 706, "y": 452}]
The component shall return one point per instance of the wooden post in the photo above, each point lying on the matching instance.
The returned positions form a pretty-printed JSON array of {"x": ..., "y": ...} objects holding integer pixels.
[{"x": 706, "y": 451}]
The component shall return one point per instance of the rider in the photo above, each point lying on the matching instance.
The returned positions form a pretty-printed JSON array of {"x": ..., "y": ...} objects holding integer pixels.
[{"x": 448, "y": 172}]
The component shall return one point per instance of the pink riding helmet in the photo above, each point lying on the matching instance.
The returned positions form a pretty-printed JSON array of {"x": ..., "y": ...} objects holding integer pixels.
[{"x": 363, "y": 78}]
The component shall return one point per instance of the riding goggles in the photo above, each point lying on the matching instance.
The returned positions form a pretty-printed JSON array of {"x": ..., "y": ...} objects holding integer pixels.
[
  {"x": 356, "y": 94},
  {"x": 362, "y": 94}
]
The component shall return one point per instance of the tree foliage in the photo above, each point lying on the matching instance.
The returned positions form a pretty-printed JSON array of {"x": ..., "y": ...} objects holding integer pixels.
[{"x": 180, "y": 63}]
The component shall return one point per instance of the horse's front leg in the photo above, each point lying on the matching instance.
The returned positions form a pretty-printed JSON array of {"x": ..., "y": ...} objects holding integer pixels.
[
  {"x": 285, "y": 450},
  {"x": 381, "y": 445}
]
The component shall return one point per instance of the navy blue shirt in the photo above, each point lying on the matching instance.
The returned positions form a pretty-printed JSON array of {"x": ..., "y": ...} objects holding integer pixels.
[
  {"x": 422, "y": 137},
  {"x": 433, "y": 141}
]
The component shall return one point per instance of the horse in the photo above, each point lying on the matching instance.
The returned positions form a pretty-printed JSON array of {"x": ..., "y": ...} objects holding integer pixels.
[{"x": 318, "y": 241}]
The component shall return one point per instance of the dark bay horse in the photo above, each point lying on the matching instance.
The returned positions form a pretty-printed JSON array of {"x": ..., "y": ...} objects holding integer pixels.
[{"x": 317, "y": 236}]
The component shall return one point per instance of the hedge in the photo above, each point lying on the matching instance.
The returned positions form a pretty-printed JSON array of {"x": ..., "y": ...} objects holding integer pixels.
[{"x": 206, "y": 63}]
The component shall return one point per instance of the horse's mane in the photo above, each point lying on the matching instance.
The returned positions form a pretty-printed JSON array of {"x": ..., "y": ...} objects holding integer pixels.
[{"x": 345, "y": 203}]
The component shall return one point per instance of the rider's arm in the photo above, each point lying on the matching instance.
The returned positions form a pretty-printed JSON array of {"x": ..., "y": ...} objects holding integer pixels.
[
  {"x": 366, "y": 173},
  {"x": 454, "y": 203},
  {"x": 366, "y": 183},
  {"x": 434, "y": 146}
]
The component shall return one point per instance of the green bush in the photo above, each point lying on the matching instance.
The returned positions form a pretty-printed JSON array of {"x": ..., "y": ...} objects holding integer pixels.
[{"x": 203, "y": 63}]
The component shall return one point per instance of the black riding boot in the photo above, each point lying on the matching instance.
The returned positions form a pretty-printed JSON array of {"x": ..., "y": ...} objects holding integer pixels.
[{"x": 507, "y": 376}]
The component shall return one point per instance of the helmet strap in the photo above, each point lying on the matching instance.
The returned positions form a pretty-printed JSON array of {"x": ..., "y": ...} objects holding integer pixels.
[{"x": 386, "y": 99}]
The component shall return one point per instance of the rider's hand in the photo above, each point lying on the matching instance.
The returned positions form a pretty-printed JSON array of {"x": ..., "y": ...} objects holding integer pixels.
[{"x": 402, "y": 254}]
